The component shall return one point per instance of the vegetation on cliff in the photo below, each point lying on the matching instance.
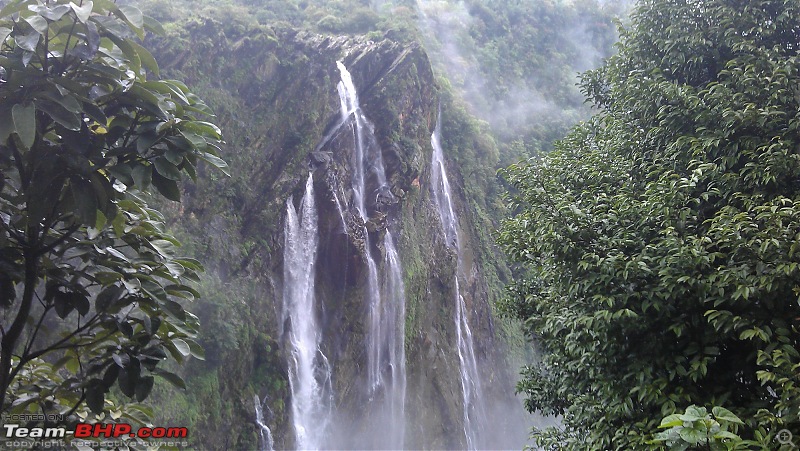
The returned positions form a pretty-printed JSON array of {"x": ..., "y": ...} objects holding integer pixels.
[{"x": 660, "y": 238}]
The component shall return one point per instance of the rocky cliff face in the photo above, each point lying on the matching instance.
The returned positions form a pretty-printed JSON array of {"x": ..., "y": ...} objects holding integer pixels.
[{"x": 275, "y": 92}]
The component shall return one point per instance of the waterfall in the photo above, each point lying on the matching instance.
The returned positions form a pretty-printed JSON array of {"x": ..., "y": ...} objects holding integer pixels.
[
  {"x": 266, "y": 435},
  {"x": 395, "y": 317},
  {"x": 309, "y": 370},
  {"x": 472, "y": 395},
  {"x": 385, "y": 296}
]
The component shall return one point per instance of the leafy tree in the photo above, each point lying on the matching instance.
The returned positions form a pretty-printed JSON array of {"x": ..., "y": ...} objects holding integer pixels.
[
  {"x": 89, "y": 282},
  {"x": 659, "y": 241}
]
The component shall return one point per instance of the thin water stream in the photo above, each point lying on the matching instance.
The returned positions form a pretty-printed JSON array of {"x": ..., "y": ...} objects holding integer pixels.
[{"x": 474, "y": 414}]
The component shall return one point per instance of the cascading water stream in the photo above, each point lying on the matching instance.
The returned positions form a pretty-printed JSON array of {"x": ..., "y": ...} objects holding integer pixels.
[
  {"x": 309, "y": 370},
  {"x": 394, "y": 316},
  {"x": 472, "y": 393},
  {"x": 267, "y": 443},
  {"x": 386, "y": 373},
  {"x": 351, "y": 109}
]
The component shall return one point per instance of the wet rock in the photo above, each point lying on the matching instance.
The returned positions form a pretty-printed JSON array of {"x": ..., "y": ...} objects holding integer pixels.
[
  {"x": 320, "y": 159},
  {"x": 377, "y": 222}
]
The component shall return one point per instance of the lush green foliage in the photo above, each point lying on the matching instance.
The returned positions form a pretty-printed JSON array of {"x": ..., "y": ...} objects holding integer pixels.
[
  {"x": 90, "y": 284},
  {"x": 319, "y": 16},
  {"x": 660, "y": 239},
  {"x": 698, "y": 428}
]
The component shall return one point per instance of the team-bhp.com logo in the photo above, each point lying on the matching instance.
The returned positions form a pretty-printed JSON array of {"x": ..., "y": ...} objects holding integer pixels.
[{"x": 85, "y": 430}]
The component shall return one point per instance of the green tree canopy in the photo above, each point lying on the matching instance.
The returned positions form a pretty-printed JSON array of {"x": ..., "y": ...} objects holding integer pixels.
[
  {"x": 89, "y": 283},
  {"x": 660, "y": 241}
]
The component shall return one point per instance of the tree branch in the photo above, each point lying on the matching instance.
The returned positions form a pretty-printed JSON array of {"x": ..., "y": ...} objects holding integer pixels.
[{"x": 72, "y": 229}]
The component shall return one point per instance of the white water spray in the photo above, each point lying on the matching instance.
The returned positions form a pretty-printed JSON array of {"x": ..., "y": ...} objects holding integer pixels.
[
  {"x": 472, "y": 393},
  {"x": 309, "y": 370}
]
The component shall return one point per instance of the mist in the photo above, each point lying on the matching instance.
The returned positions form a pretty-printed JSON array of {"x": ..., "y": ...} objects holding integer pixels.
[{"x": 575, "y": 39}]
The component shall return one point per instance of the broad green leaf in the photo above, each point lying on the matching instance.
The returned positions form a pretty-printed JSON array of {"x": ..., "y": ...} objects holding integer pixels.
[
  {"x": 694, "y": 413},
  {"x": 202, "y": 128},
  {"x": 107, "y": 296},
  {"x": 175, "y": 309},
  {"x": 693, "y": 436},
  {"x": 118, "y": 224},
  {"x": 726, "y": 435},
  {"x": 58, "y": 113},
  {"x": 163, "y": 247},
  {"x": 122, "y": 172},
  {"x": 82, "y": 12},
  {"x": 142, "y": 176},
  {"x": 72, "y": 365},
  {"x": 129, "y": 51},
  {"x": 168, "y": 188},
  {"x": 167, "y": 169},
  {"x": 117, "y": 253},
  {"x": 25, "y": 123},
  {"x": 12, "y": 7},
  {"x": 173, "y": 156},
  {"x": 69, "y": 102},
  {"x": 146, "y": 58},
  {"x": 190, "y": 263},
  {"x": 179, "y": 90},
  {"x": 215, "y": 161},
  {"x": 53, "y": 13},
  {"x": 62, "y": 362},
  {"x": 145, "y": 141},
  {"x": 89, "y": 47},
  {"x": 153, "y": 26},
  {"x": 95, "y": 398},
  {"x": 198, "y": 142},
  {"x": 149, "y": 100},
  {"x": 721, "y": 413},
  {"x": 182, "y": 347},
  {"x": 143, "y": 388},
  {"x": 164, "y": 87},
  {"x": 106, "y": 6},
  {"x": 172, "y": 378},
  {"x": 155, "y": 324},
  {"x": 671, "y": 421},
  {"x": 133, "y": 15},
  {"x": 197, "y": 351},
  {"x": 174, "y": 268},
  {"x": 94, "y": 113},
  {"x": 81, "y": 303},
  {"x": 28, "y": 42},
  {"x": 62, "y": 304},
  {"x": 38, "y": 23},
  {"x": 128, "y": 378},
  {"x": 113, "y": 26}
]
